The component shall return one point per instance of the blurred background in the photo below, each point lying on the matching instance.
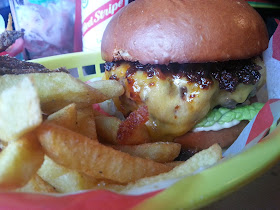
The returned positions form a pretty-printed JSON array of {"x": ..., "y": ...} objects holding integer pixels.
[{"x": 53, "y": 27}]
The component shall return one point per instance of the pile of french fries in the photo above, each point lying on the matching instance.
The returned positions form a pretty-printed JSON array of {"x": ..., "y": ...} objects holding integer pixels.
[{"x": 53, "y": 141}]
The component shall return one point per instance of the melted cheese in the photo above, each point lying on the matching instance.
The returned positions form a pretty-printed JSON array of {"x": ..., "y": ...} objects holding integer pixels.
[{"x": 170, "y": 114}]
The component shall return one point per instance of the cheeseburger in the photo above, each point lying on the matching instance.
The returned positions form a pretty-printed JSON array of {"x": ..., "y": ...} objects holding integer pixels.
[{"x": 184, "y": 59}]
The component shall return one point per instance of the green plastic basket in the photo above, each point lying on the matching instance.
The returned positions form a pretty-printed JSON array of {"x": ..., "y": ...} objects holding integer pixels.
[
  {"x": 202, "y": 188},
  {"x": 83, "y": 65}
]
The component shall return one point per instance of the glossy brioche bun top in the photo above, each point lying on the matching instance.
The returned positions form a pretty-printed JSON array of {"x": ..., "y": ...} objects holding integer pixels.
[{"x": 184, "y": 31}]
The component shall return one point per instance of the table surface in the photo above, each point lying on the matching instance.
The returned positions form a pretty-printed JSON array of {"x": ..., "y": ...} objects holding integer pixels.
[{"x": 262, "y": 193}]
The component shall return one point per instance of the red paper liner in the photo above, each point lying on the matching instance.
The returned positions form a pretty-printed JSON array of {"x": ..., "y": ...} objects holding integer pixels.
[
  {"x": 100, "y": 199},
  {"x": 264, "y": 119}
]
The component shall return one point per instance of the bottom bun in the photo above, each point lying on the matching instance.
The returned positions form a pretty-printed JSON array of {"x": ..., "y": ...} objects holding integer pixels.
[{"x": 202, "y": 140}]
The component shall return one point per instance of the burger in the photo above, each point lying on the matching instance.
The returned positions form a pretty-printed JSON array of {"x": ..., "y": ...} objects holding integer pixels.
[{"x": 188, "y": 61}]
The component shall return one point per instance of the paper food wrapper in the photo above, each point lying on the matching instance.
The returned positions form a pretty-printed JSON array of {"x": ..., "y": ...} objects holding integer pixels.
[{"x": 254, "y": 132}]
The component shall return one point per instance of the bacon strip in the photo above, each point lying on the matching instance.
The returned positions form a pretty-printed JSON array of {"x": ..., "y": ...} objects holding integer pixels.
[{"x": 133, "y": 130}]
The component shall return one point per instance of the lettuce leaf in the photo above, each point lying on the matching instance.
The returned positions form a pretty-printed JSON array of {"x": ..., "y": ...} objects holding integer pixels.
[{"x": 224, "y": 115}]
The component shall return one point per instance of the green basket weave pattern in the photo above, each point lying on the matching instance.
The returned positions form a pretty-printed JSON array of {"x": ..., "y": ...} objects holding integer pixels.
[{"x": 83, "y": 65}]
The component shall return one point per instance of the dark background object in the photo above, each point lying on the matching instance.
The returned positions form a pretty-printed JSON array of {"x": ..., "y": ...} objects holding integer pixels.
[
  {"x": 270, "y": 16},
  {"x": 5, "y": 10}
]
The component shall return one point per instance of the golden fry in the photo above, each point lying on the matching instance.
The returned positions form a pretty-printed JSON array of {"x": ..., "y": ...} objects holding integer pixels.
[
  {"x": 19, "y": 161},
  {"x": 173, "y": 164},
  {"x": 63, "y": 179},
  {"x": 19, "y": 110},
  {"x": 161, "y": 152},
  {"x": 107, "y": 128},
  {"x": 203, "y": 159},
  {"x": 57, "y": 90},
  {"x": 78, "y": 152},
  {"x": 86, "y": 123},
  {"x": 66, "y": 117},
  {"x": 110, "y": 88},
  {"x": 37, "y": 185}
]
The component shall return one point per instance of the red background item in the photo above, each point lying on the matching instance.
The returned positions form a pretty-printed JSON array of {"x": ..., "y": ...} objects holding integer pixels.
[
  {"x": 100, "y": 199},
  {"x": 78, "y": 44}
]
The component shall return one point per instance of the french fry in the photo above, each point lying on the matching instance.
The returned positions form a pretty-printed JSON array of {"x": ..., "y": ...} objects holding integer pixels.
[
  {"x": 110, "y": 88},
  {"x": 161, "y": 152},
  {"x": 81, "y": 120},
  {"x": 19, "y": 161},
  {"x": 204, "y": 158},
  {"x": 107, "y": 128},
  {"x": 64, "y": 180},
  {"x": 57, "y": 90},
  {"x": 86, "y": 123},
  {"x": 133, "y": 129},
  {"x": 78, "y": 152},
  {"x": 74, "y": 159},
  {"x": 19, "y": 110},
  {"x": 173, "y": 164},
  {"x": 66, "y": 117},
  {"x": 37, "y": 185}
]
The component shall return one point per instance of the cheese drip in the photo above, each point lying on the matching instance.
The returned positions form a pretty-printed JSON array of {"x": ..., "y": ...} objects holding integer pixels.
[{"x": 175, "y": 104}]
